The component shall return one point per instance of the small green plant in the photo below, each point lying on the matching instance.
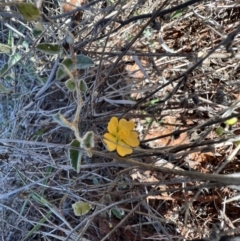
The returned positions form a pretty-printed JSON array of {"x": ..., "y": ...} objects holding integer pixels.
[
  {"x": 178, "y": 13},
  {"x": 68, "y": 68},
  {"x": 68, "y": 65},
  {"x": 81, "y": 208},
  {"x": 118, "y": 213}
]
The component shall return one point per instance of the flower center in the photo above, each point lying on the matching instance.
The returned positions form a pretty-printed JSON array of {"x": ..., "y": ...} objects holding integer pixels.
[{"x": 123, "y": 134}]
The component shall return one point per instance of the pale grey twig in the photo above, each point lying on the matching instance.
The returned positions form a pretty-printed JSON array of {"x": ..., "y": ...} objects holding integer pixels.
[
  {"x": 7, "y": 195},
  {"x": 14, "y": 30},
  {"x": 49, "y": 81}
]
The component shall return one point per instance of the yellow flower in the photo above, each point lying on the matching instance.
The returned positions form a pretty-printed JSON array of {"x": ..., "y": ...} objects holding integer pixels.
[{"x": 121, "y": 136}]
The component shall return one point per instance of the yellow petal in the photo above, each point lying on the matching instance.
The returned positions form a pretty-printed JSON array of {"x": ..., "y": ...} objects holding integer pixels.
[
  {"x": 132, "y": 139},
  {"x": 113, "y": 126},
  {"x": 110, "y": 141},
  {"x": 127, "y": 125},
  {"x": 123, "y": 149}
]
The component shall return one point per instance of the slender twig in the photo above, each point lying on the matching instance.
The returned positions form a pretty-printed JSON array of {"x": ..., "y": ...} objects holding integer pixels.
[
  {"x": 152, "y": 16},
  {"x": 226, "y": 42},
  {"x": 223, "y": 179}
]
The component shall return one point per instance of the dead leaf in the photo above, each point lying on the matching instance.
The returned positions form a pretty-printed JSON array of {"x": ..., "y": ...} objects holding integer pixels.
[
  {"x": 38, "y": 3},
  {"x": 70, "y": 5}
]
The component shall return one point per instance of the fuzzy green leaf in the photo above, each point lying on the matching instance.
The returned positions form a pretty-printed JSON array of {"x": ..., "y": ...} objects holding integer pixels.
[
  {"x": 3, "y": 69},
  {"x": 28, "y": 11},
  {"x": 81, "y": 208},
  {"x": 68, "y": 63},
  {"x": 60, "y": 120},
  {"x": 61, "y": 73},
  {"x": 70, "y": 84},
  {"x": 14, "y": 59},
  {"x": 66, "y": 71},
  {"x": 118, "y": 213},
  {"x": 82, "y": 86},
  {"x": 88, "y": 140},
  {"x": 4, "y": 90},
  {"x": 5, "y": 49},
  {"x": 48, "y": 48},
  {"x": 75, "y": 156},
  {"x": 219, "y": 131},
  {"x": 8, "y": 78},
  {"x": 83, "y": 62}
]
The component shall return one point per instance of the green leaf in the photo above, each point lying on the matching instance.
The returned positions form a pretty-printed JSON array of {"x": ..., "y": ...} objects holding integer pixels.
[
  {"x": 28, "y": 11},
  {"x": 48, "y": 48},
  {"x": 59, "y": 118},
  {"x": 14, "y": 59},
  {"x": 83, "y": 62},
  {"x": 66, "y": 70},
  {"x": 4, "y": 90},
  {"x": 147, "y": 33},
  {"x": 219, "y": 131},
  {"x": 231, "y": 121},
  {"x": 68, "y": 63},
  {"x": 38, "y": 29},
  {"x": 178, "y": 13},
  {"x": 88, "y": 140},
  {"x": 83, "y": 86},
  {"x": 70, "y": 84},
  {"x": 118, "y": 213},
  {"x": 153, "y": 102},
  {"x": 61, "y": 73},
  {"x": 3, "y": 69},
  {"x": 8, "y": 78},
  {"x": 95, "y": 181},
  {"x": 25, "y": 44},
  {"x": 75, "y": 156},
  {"x": 10, "y": 38},
  {"x": 148, "y": 120},
  {"x": 37, "y": 226},
  {"x": 5, "y": 49},
  {"x": 81, "y": 208}
]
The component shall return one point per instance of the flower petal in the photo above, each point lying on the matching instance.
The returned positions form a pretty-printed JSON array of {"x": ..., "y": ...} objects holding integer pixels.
[
  {"x": 132, "y": 139},
  {"x": 113, "y": 126},
  {"x": 127, "y": 125},
  {"x": 123, "y": 149},
  {"x": 110, "y": 141}
]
